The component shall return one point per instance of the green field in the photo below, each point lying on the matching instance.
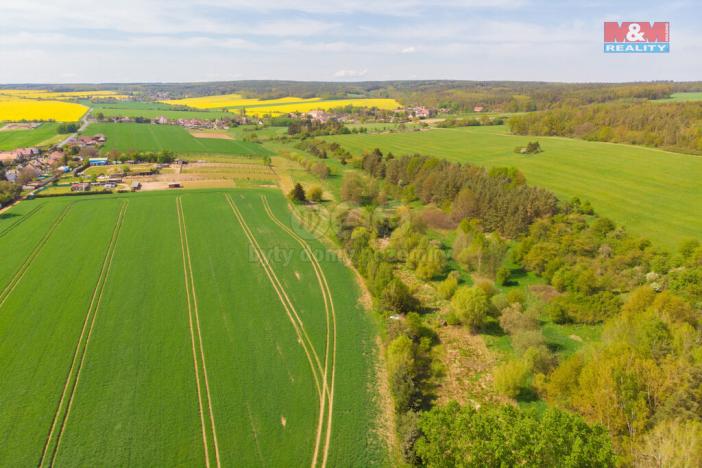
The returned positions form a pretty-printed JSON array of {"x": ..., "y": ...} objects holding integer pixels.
[
  {"x": 654, "y": 193},
  {"x": 144, "y": 329},
  {"x": 682, "y": 97},
  {"x": 149, "y": 137},
  {"x": 152, "y": 110},
  {"x": 13, "y": 139}
]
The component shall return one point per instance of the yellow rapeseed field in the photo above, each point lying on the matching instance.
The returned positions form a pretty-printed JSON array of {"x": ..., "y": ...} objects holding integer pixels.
[
  {"x": 14, "y": 109},
  {"x": 385, "y": 104},
  {"x": 231, "y": 101},
  {"x": 60, "y": 95}
]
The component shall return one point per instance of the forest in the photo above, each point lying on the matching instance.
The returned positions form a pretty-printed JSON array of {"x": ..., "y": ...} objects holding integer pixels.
[{"x": 673, "y": 126}]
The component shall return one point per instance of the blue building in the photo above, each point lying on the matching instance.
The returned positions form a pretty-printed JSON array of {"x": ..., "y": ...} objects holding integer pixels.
[{"x": 97, "y": 161}]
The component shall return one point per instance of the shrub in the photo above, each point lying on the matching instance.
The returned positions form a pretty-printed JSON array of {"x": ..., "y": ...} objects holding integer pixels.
[
  {"x": 448, "y": 287},
  {"x": 315, "y": 193},
  {"x": 525, "y": 339},
  {"x": 470, "y": 306},
  {"x": 513, "y": 320},
  {"x": 397, "y": 297},
  {"x": 512, "y": 377},
  {"x": 502, "y": 276}
]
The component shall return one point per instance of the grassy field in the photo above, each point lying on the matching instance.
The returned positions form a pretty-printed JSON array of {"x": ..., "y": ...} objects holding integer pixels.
[
  {"x": 44, "y": 134},
  {"x": 179, "y": 341},
  {"x": 682, "y": 97},
  {"x": 152, "y": 110},
  {"x": 654, "y": 193},
  {"x": 148, "y": 137}
]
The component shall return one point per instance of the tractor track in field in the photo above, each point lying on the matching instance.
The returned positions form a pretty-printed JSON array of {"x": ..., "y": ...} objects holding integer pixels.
[
  {"x": 297, "y": 323},
  {"x": 193, "y": 311},
  {"x": 74, "y": 372},
  {"x": 22, "y": 219},
  {"x": 19, "y": 274},
  {"x": 331, "y": 324}
]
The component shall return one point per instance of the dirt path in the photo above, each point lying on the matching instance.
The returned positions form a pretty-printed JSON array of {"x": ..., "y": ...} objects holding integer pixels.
[
  {"x": 17, "y": 277},
  {"x": 330, "y": 313},
  {"x": 193, "y": 311},
  {"x": 295, "y": 320},
  {"x": 74, "y": 372}
]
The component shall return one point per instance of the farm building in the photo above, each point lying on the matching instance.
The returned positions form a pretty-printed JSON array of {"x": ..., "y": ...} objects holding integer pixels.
[
  {"x": 80, "y": 187},
  {"x": 97, "y": 161},
  {"x": 136, "y": 185}
]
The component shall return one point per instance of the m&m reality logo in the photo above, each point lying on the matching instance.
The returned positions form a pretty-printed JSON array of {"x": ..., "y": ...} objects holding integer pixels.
[{"x": 636, "y": 37}]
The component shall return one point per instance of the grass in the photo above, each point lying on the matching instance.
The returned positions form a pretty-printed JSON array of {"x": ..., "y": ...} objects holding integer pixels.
[
  {"x": 653, "y": 192},
  {"x": 152, "y": 110},
  {"x": 147, "y": 137},
  {"x": 682, "y": 97},
  {"x": 136, "y": 401},
  {"x": 13, "y": 139}
]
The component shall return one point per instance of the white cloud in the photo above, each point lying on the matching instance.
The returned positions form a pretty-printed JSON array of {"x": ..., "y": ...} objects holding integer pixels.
[
  {"x": 409, "y": 50},
  {"x": 351, "y": 73}
]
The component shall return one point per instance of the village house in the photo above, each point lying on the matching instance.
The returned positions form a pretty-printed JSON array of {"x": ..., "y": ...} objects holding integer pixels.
[
  {"x": 80, "y": 187},
  {"x": 161, "y": 120},
  {"x": 54, "y": 157},
  {"x": 319, "y": 116},
  {"x": 478, "y": 108}
]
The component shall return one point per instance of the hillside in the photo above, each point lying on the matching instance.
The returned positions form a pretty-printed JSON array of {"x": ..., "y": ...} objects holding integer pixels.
[{"x": 652, "y": 192}]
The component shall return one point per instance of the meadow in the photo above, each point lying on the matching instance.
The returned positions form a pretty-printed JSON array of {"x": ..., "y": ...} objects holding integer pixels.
[
  {"x": 682, "y": 97},
  {"x": 233, "y": 348},
  {"x": 44, "y": 134},
  {"x": 149, "y": 137},
  {"x": 152, "y": 110},
  {"x": 654, "y": 193}
]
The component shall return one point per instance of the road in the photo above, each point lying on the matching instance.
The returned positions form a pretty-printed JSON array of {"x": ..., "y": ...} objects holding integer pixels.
[{"x": 83, "y": 124}]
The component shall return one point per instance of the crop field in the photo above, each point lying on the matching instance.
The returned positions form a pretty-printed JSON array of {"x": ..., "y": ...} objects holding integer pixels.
[
  {"x": 654, "y": 193},
  {"x": 152, "y": 110},
  {"x": 60, "y": 95},
  {"x": 234, "y": 103},
  {"x": 225, "y": 101},
  {"x": 148, "y": 137},
  {"x": 385, "y": 104},
  {"x": 198, "y": 328},
  {"x": 16, "y": 108},
  {"x": 12, "y": 139}
]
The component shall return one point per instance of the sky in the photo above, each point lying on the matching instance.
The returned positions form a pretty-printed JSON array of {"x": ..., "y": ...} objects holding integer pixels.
[{"x": 109, "y": 41}]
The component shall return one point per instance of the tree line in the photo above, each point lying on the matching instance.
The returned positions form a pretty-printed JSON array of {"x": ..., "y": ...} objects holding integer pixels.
[{"x": 675, "y": 126}]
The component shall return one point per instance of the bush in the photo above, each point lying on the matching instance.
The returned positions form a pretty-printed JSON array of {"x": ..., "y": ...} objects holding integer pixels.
[
  {"x": 396, "y": 297},
  {"x": 512, "y": 377},
  {"x": 470, "y": 306},
  {"x": 513, "y": 320},
  {"x": 502, "y": 276},
  {"x": 314, "y": 193},
  {"x": 448, "y": 287}
]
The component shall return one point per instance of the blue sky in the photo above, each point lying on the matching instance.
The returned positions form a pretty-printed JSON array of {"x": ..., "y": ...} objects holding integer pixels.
[{"x": 66, "y": 41}]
